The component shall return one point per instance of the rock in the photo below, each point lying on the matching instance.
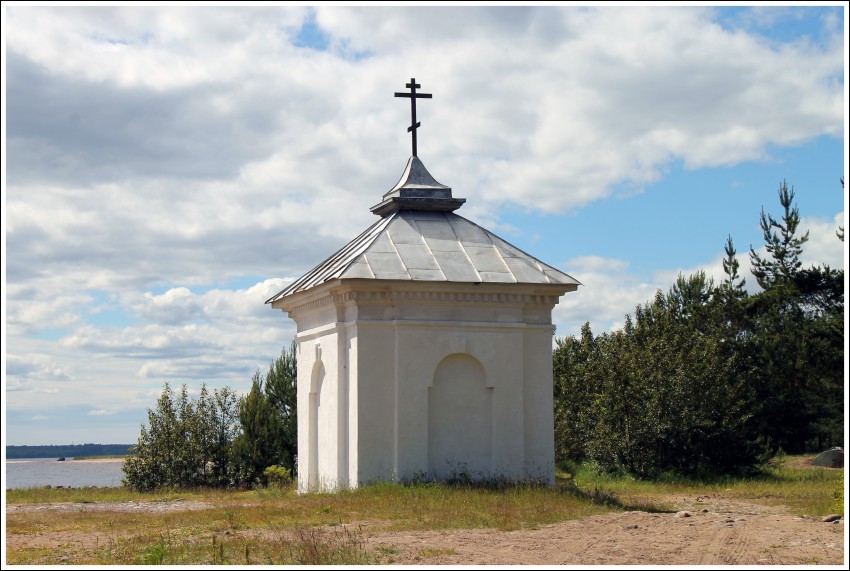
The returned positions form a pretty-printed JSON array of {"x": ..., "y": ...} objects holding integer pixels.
[
  {"x": 833, "y": 458},
  {"x": 683, "y": 514},
  {"x": 831, "y": 518},
  {"x": 632, "y": 526},
  {"x": 704, "y": 510}
]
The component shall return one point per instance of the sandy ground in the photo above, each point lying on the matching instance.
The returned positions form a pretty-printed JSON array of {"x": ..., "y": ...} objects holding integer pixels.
[{"x": 717, "y": 530}]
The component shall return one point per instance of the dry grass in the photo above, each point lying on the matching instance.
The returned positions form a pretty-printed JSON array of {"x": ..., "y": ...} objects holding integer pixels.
[
  {"x": 278, "y": 527},
  {"x": 270, "y": 526},
  {"x": 103, "y": 494},
  {"x": 436, "y": 552},
  {"x": 792, "y": 482}
]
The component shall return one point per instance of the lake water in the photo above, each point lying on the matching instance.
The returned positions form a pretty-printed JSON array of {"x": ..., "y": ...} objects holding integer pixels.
[{"x": 38, "y": 472}]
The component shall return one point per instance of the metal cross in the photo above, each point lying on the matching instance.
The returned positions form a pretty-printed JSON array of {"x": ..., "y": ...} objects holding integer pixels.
[{"x": 413, "y": 97}]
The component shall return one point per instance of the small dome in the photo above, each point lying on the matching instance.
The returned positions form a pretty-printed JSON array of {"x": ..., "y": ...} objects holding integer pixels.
[{"x": 417, "y": 190}]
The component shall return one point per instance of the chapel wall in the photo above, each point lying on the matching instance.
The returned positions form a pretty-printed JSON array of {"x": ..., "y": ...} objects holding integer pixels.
[
  {"x": 319, "y": 412},
  {"x": 375, "y": 418}
]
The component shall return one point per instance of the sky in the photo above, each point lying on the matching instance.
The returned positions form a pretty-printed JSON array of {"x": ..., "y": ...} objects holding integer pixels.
[{"x": 166, "y": 170}]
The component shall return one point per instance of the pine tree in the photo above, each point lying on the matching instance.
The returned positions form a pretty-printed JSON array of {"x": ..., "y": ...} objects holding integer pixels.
[
  {"x": 281, "y": 384},
  {"x": 733, "y": 284},
  {"x": 782, "y": 243},
  {"x": 840, "y": 231},
  {"x": 256, "y": 448},
  {"x": 795, "y": 324}
]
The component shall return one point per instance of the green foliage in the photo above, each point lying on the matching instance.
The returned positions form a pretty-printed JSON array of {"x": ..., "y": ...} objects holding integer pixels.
[
  {"x": 782, "y": 243},
  {"x": 268, "y": 417},
  {"x": 281, "y": 385},
  {"x": 278, "y": 476},
  {"x": 710, "y": 379},
  {"x": 665, "y": 393},
  {"x": 186, "y": 442},
  {"x": 218, "y": 439},
  {"x": 796, "y": 325},
  {"x": 256, "y": 447},
  {"x": 731, "y": 290},
  {"x": 577, "y": 365},
  {"x": 217, "y": 417}
]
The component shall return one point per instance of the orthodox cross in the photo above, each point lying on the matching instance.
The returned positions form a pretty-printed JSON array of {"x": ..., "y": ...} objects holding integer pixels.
[{"x": 413, "y": 97}]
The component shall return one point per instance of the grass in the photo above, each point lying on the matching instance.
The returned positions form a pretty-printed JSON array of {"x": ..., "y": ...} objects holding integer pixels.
[
  {"x": 275, "y": 526},
  {"x": 436, "y": 552},
  {"x": 104, "y": 494},
  {"x": 791, "y": 482}
]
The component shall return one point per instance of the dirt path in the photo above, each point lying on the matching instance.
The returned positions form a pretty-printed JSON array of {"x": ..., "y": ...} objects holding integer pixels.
[
  {"x": 716, "y": 531},
  {"x": 726, "y": 533}
]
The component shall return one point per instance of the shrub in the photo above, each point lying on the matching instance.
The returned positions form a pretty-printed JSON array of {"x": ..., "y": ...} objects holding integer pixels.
[{"x": 279, "y": 476}]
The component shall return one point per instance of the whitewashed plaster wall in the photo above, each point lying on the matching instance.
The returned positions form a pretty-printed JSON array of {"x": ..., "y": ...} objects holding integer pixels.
[{"x": 399, "y": 380}]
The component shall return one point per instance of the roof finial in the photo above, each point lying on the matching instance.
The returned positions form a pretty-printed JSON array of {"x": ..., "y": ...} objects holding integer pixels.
[{"x": 413, "y": 97}]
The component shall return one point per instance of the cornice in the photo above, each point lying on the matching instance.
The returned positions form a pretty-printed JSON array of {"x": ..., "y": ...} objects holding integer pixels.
[{"x": 417, "y": 296}]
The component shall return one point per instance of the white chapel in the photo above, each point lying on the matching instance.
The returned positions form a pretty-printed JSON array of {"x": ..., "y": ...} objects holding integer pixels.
[{"x": 424, "y": 348}]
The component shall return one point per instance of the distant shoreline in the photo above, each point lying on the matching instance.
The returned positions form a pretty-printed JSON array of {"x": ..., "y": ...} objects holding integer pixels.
[
  {"x": 66, "y": 451},
  {"x": 86, "y": 460}
]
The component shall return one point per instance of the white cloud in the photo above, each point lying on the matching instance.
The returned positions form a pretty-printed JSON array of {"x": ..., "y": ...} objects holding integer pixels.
[
  {"x": 151, "y": 46},
  {"x": 100, "y": 412},
  {"x": 180, "y": 305},
  {"x": 823, "y": 246},
  {"x": 28, "y": 310},
  {"x": 40, "y": 417},
  {"x": 610, "y": 290},
  {"x": 156, "y": 156},
  {"x": 668, "y": 84},
  {"x": 607, "y": 294},
  {"x": 34, "y": 367}
]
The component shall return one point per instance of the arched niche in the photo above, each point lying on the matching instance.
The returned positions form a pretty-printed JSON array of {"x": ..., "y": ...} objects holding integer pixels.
[
  {"x": 460, "y": 411},
  {"x": 317, "y": 379}
]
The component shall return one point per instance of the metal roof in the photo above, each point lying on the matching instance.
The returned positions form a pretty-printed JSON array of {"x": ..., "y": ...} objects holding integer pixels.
[
  {"x": 416, "y": 181},
  {"x": 417, "y": 190},
  {"x": 422, "y": 245}
]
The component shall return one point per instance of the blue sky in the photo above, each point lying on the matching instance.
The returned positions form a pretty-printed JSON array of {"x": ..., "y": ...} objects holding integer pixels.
[{"x": 167, "y": 170}]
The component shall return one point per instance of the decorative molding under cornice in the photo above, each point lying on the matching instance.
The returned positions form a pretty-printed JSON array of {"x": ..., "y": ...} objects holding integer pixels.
[{"x": 379, "y": 297}]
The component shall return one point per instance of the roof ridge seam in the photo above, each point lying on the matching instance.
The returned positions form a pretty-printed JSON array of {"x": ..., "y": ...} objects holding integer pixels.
[
  {"x": 324, "y": 271},
  {"x": 368, "y": 241},
  {"x": 395, "y": 248},
  {"x": 433, "y": 255},
  {"x": 541, "y": 265},
  {"x": 463, "y": 248},
  {"x": 492, "y": 237}
]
